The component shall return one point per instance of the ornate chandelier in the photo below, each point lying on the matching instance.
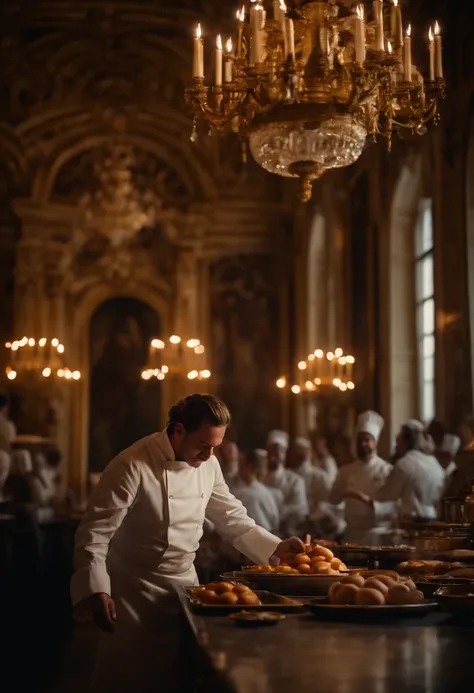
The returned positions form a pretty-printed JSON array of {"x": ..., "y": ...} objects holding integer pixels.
[
  {"x": 323, "y": 372},
  {"x": 176, "y": 357},
  {"x": 307, "y": 82},
  {"x": 46, "y": 356},
  {"x": 117, "y": 210}
]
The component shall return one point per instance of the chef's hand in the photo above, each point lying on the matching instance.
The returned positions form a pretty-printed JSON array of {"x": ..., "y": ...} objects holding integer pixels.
[
  {"x": 101, "y": 608},
  {"x": 358, "y": 495},
  {"x": 287, "y": 550}
]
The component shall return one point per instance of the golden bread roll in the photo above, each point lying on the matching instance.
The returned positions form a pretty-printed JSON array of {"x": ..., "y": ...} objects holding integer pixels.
[
  {"x": 357, "y": 580},
  {"x": 248, "y": 599},
  {"x": 336, "y": 563},
  {"x": 303, "y": 568},
  {"x": 398, "y": 594},
  {"x": 343, "y": 567},
  {"x": 320, "y": 568},
  {"x": 318, "y": 559},
  {"x": 333, "y": 572},
  {"x": 228, "y": 598},
  {"x": 335, "y": 587},
  {"x": 302, "y": 558},
  {"x": 211, "y": 586},
  {"x": 366, "y": 596},
  {"x": 346, "y": 594},
  {"x": 221, "y": 587},
  {"x": 322, "y": 551},
  {"x": 208, "y": 597},
  {"x": 284, "y": 569},
  {"x": 386, "y": 579},
  {"x": 376, "y": 584},
  {"x": 419, "y": 597},
  {"x": 241, "y": 588},
  {"x": 410, "y": 584}
]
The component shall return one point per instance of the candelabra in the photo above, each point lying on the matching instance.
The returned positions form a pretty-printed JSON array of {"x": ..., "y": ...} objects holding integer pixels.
[
  {"x": 176, "y": 357},
  {"x": 45, "y": 356},
  {"x": 309, "y": 84},
  {"x": 322, "y": 372}
]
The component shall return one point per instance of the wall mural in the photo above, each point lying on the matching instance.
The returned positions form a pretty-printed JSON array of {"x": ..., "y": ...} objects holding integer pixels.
[
  {"x": 245, "y": 334},
  {"x": 123, "y": 407}
]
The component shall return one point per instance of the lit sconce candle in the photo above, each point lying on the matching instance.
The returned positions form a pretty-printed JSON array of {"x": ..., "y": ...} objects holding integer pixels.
[
  {"x": 257, "y": 24},
  {"x": 281, "y": 383},
  {"x": 438, "y": 53},
  {"x": 228, "y": 63},
  {"x": 432, "y": 54},
  {"x": 218, "y": 61},
  {"x": 407, "y": 55},
  {"x": 378, "y": 16},
  {"x": 198, "y": 61},
  {"x": 296, "y": 389},
  {"x": 359, "y": 35},
  {"x": 240, "y": 28}
]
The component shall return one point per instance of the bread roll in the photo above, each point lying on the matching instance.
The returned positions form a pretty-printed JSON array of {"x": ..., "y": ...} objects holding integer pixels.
[
  {"x": 228, "y": 598},
  {"x": 335, "y": 587},
  {"x": 366, "y": 596},
  {"x": 323, "y": 551},
  {"x": 221, "y": 587},
  {"x": 302, "y": 558},
  {"x": 320, "y": 568},
  {"x": 336, "y": 563},
  {"x": 346, "y": 594},
  {"x": 318, "y": 559},
  {"x": 357, "y": 580},
  {"x": 376, "y": 584},
  {"x": 208, "y": 597},
  {"x": 398, "y": 594},
  {"x": 241, "y": 588},
  {"x": 303, "y": 568},
  {"x": 410, "y": 584},
  {"x": 386, "y": 579},
  {"x": 248, "y": 599}
]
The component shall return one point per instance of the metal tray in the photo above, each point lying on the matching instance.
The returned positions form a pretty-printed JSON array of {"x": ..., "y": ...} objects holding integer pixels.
[
  {"x": 341, "y": 612},
  {"x": 307, "y": 585},
  {"x": 270, "y": 602}
]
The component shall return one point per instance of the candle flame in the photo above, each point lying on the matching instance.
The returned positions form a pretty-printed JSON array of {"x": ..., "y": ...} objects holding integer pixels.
[
  {"x": 229, "y": 45},
  {"x": 240, "y": 14},
  {"x": 360, "y": 11},
  {"x": 409, "y": 30},
  {"x": 395, "y": 3},
  {"x": 430, "y": 34},
  {"x": 219, "y": 42},
  {"x": 198, "y": 31},
  {"x": 283, "y": 6},
  {"x": 437, "y": 29},
  {"x": 389, "y": 47}
]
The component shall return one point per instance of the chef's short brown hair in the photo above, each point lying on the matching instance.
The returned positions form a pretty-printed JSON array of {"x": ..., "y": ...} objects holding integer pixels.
[{"x": 195, "y": 410}]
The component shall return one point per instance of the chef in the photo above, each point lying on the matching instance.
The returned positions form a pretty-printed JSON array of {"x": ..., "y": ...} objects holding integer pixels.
[
  {"x": 446, "y": 456},
  {"x": 257, "y": 498},
  {"x": 228, "y": 457},
  {"x": 362, "y": 479},
  {"x": 416, "y": 482},
  {"x": 138, "y": 540},
  {"x": 294, "y": 505}
]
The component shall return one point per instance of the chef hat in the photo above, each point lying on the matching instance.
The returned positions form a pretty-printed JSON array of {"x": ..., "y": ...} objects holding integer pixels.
[
  {"x": 451, "y": 444},
  {"x": 414, "y": 425},
  {"x": 370, "y": 422},
  {"x": 278, "y": 438},
  {"x": 304, "y": 442}
]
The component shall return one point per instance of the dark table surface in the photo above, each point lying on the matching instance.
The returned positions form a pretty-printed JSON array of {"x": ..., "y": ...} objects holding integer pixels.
[{"x": 306, "y": 655}]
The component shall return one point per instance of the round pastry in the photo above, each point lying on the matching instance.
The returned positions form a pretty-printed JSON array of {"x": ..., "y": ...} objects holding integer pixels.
[
  {"x": 366, "y": 596},
  {"x": 248, "y": 599},
  {"x": 320, "y": 568},
  {"x": 241, "y": 588},
  {"x": 386, "y": 579},
  {"x": 304, "y": 568},
  {"x": 356, "y": 580},
  {"x": 222, "y": 587},
  {"x": 333, "y": 590},
  {"x": 336, "y": 563},
  {"x": 376, "y": 584},
  {"x": 228, "y": 598},
  {"x": 398, "y": 594},
  {"x": 318, "y": 559},
  {"x": 208, "y": 596},
  {"x": 322, "y": 551},
  {"x": 346, "y": 594},
  {"x": 410, "y": 584},
  {"x": 302, "y": 558}
]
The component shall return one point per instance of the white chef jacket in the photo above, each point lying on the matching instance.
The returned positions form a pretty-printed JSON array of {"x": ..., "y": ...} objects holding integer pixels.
[
  {"x": 317, "y": 486},
  {"x": 413, "y": 489},
  {"x": 295, "y": 501},
  {"x": 366, "y": 477},
  {"x": 260, "y": 504},
  {"x": 138, "y": 539},
  {"x": 327, "y": 464}
]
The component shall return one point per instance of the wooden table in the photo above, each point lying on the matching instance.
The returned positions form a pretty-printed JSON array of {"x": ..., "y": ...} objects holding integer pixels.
[{"x": 305, "y": 655}]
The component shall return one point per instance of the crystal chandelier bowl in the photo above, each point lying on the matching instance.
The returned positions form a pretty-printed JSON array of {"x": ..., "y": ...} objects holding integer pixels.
[{"x": 280, "y": 146}]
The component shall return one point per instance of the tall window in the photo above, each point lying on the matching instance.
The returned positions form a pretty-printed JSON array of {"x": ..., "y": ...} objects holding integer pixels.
[{"x": 425, "y": 309}]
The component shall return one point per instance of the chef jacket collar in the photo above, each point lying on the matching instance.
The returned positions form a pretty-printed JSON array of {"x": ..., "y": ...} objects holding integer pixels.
[
  {"x": 166, "y": 448},
  {"x": 277, "y": 473}
]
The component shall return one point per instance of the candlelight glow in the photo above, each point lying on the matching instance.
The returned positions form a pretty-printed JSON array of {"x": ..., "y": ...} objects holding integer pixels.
[
  {"x": 350, "y": 385},
  {"x": 389, "y": 47},
  {"x": 11, "y": 374},
  {"x": 338, "y": 353},
  {"x": 296, "y": 389},
  {"x": 437, "y": 29},
  {"x": 409, "y": 30},
  {"x": 302, "y": 365},
  {"x": 42, "y": 342},
  {"x": 395, "y": 3},
  {"x": 241, "y": 14},
  {"x": 309, "y": 385},
  {"x": 317, "y": 381},
  {"x": 283, "y": 6},
  {"x": 158, "y": 344},
  {"x": 350, "y": 359},
  {"x": 281, "y": 383},
  {"x": 319, "y": 353},
  {"x": 174, "y": 339},
  {"x": 46, "y": 372},
  {"x": 31, "y": 342},
  {"x": 360, "y": 11},
  {"x": 198, "y": 31},
  {"x": 54, "y": 342},
  {"x": 60, "y": 348},
  {"x": 430, "y": 34},
  {"x": 229, "y": 45},
  {"x": 165, "y": 369},
  {"x": 206, "y": 374},
  {"x": 192, "y": 375},
  {"x": 219, "y": 42},
  {"x": 330, "y": 356},
  {"x": 199, "y": 349}
]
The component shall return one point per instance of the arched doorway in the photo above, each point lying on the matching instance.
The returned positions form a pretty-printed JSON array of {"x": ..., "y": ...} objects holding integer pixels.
[{"x": 123, "y": 407}]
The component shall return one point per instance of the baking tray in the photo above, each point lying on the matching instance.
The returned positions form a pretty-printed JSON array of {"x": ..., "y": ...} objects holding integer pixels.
[
  {"x": 270, "y": 602},
  {"x": 367, "y": 614}
]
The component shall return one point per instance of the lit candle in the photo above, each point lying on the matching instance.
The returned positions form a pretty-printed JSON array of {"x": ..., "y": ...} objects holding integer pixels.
[
  {"x": 198, "y": 61},
  {"x": 257, "y": 23},
  {"x": 407, "y": 55},
  {"x": 240, "y": 28},
  {"x": 438, "y": 53},
  {"x": 228, "y": 61},
  {"x": 277, "y": 10},
  {"x": 218, "y": 61},
  {"x": 290, "y": 37},
  {"x": 359, "y": 35},
  {"x": 378, "y": 15},
  {"x": 432, "y": 54},
  {"x": 397, "y": 27}
]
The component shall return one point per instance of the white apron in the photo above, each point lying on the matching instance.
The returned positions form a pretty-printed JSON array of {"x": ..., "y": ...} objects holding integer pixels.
[{"x": 138, "y": 538}]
